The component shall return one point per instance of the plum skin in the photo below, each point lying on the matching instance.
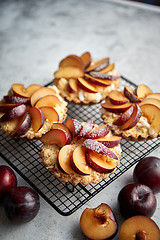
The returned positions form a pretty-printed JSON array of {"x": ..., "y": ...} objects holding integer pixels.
[
  {"x": 136, "y": 199},
  {"x": 21, "y": 204},
  {"x": 147, "y": 172},
  {"x": 8, "y": 180}
]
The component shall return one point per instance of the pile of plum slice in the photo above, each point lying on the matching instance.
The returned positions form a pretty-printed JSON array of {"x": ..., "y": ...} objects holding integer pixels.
[
  {"x": 130, "y": 104},
  {"x": 91, "y": 148},
  {"x": 82, "y": 73},
  {"x": 31, "y": 106}
]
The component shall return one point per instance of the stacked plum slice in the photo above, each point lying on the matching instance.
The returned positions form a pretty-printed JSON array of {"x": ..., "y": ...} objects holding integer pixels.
[
  {"x": 82, "y": 73},
  {"x": 83, "y": 147},
  {"x": 31, "y": 106},
  {"x": 131, "y": 104}
]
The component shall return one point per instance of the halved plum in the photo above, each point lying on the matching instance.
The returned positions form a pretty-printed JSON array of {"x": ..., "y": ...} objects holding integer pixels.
[{"x": 99, "y": 223}]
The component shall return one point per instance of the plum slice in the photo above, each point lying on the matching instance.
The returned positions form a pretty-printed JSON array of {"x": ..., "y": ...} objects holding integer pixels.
[
  {"x": 5, "y": 107},
  {"x": 86, "y": 86},
  {"x": 124, "y": 117},
  {"x": 69, "y": 72},
  {"x": 99, "y": 133},
  {"x": 110, "y": 141},
  {"x": 39, "y": 93},
  {"x": 15, "y": 112},
  {"x": 86, "y": 59},
  {"x": 14, "y": 99},
  {"x": 37, "y": 117},
  {"x": 116, "y": 108},
  {"x": 64, "y": 158},
  {"x": 50, "y": 113},
  {"x": 129, "y": 93},
  {"x": 86, "y": 128},
  {"x": 65, "y": 129},
  {"x": 117, "y": 98},
  {"x": 18, "y": 89},
  {"x": 74, "y": 126},
  {"x": 99, "y": 223},
  {"x": 50, "y": 101},
  {"x": 55, "y": 136},
  {"x": 100, "y": 163},
  {"x": 71, "y": 60},
  {"x": 142, "y": 91},
  {"x": 23, "y": 126},
  {"x": 99, "y": 148},
  {"x": 97, "y": 81},
  {"x": 98, "y": 65},
  {"x": 73, "y": 85},
  {"x": 104, "y": 76},
  {"x": 133, "y": 120},
  {"x": 79, "y": 163},
  {"x": 152, "y": 113}
]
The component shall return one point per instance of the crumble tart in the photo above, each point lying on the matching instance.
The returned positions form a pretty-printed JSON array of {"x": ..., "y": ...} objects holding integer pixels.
[
  {"x": 30, "y": 112},
  {"x": 82, "y": 153},
  {"x": 83, "y": 80},
  {"x": 133, "y": 113}
]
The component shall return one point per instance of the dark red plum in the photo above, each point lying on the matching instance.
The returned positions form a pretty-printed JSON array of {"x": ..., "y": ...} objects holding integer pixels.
[
  {"x": 136, "y": 199},
  {"x": 7, "y": 180},
  {"x": 21, "y": 204},
  {"x": 147, "y": 171}
]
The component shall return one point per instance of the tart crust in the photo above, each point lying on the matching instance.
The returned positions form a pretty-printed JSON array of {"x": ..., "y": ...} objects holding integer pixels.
[
  {"x": 82, "y": 96},
  {"x": 49, "y": 154},
  {"x": 61, "y": 109}
]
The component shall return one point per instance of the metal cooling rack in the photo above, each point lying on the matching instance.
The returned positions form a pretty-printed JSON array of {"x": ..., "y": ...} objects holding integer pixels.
[{"x": 23, "y": 156}]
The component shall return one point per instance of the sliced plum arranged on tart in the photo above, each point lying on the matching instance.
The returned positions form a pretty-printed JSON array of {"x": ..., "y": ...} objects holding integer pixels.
[
  {"x": 83, "y": 80},
  {"x": 133, "y": 113},
  {"x": 80, "y": 152},
  {"x": 30, "y": 112}
]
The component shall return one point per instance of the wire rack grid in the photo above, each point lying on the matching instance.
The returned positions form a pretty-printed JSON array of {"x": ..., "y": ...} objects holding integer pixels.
[{"x": 23, "y": 156}]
